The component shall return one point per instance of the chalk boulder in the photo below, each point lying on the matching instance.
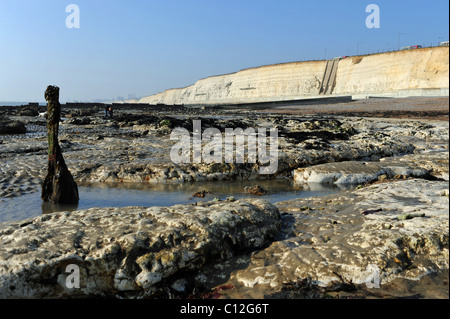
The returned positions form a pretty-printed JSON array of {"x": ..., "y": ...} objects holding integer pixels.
[{"x": 135, "y": 251}]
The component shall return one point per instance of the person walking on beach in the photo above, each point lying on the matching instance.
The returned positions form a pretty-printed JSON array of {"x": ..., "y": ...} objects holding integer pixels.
[{"x": 108, "y": 109}]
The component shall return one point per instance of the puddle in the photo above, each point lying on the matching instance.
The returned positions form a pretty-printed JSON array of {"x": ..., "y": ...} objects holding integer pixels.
[{"x": 139, "y": 194}]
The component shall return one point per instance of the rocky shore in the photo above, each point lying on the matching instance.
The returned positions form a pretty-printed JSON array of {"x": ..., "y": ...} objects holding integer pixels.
[
  {"x": 134, "y": 252},
  {"x": 396, "y": 220},
  {"x": 400, "y": 227}
]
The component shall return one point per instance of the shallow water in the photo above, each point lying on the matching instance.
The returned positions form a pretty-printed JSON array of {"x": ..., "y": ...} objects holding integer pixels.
[{"x": 140, "y": 194}]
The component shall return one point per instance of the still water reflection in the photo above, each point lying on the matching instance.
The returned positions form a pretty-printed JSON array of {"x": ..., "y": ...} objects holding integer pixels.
[{"x": 140, "y": 194}]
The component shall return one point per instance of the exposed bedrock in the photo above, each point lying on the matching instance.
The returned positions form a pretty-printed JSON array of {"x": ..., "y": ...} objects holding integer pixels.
[
  {"x": 140, "y": 151},
  {"x": 432, "y": 165},
  {"x": 132, "y": 251},
  {"x": 398, "y": 228},
  {"x": 406, "y": 73},
  {"x": 8, "y": 126}
]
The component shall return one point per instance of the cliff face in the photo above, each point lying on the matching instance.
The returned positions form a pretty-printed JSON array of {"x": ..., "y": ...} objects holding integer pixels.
[{"x": 426, "y": 68}]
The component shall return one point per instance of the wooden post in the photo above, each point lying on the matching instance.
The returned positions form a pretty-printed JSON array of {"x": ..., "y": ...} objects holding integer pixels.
[{"x": 58, "y": 186}]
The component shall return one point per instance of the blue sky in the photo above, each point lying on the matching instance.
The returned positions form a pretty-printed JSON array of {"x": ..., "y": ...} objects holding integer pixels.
[{"x": 146, "y": 46}]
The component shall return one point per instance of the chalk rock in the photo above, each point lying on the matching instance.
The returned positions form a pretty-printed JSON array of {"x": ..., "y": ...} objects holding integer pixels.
[
  {"x": 333, "y": 241},
  {"x": 132, "y": 250},
  {"x": 359, "y": 172},
  {"x": 402, "y": 70}
]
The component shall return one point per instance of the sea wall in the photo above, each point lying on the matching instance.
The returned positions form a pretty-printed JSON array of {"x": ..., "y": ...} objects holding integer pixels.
[{"x": 415, "y": 70}]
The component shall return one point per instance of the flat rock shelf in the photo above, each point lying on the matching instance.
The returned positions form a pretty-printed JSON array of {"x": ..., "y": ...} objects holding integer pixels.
[{"x": 380, "y": 212}]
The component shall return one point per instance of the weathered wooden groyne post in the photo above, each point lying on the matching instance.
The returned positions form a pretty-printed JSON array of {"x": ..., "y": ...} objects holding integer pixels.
[{"x": 59, "y": 185}]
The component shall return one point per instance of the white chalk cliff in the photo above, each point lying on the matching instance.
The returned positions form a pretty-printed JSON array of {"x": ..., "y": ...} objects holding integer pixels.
[{"x": 419, "y": 70}]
